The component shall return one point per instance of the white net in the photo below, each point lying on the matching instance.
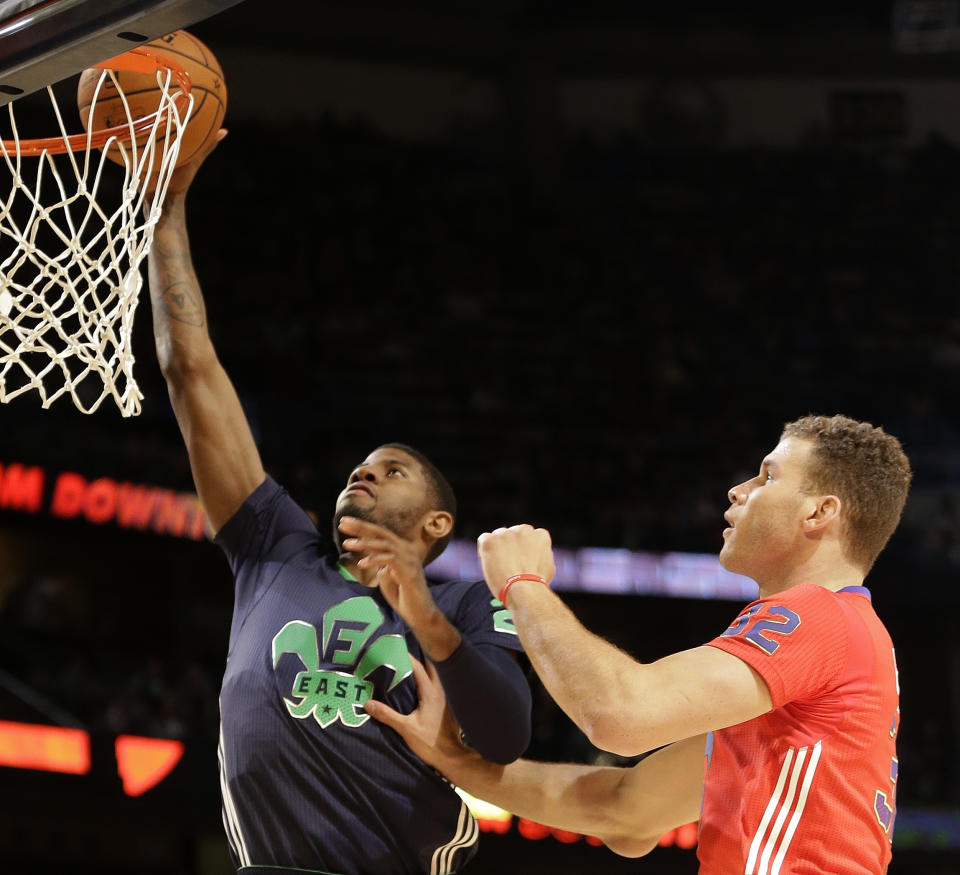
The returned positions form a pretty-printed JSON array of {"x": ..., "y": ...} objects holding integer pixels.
[{"x": 72, "y": 237}]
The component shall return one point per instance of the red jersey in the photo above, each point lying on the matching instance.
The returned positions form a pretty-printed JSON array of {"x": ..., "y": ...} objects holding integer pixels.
[{"x": 808, "y": 787}]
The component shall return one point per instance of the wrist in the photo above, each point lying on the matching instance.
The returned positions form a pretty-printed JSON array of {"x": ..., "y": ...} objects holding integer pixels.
[
  {"x": 457, "y": 761},
  {"x": 173, "y": 206},
  {"x": 514, "y": 579},
  {"x": 438, "y": 637}
]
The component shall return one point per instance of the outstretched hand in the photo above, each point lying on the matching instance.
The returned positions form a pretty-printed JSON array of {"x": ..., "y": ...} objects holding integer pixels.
[
  {"x": 399, "y": 569},
  {"x": 429, "y": 730}
]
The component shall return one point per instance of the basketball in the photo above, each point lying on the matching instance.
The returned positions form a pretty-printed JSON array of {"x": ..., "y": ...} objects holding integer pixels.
[{"x": 143, "y": 95}]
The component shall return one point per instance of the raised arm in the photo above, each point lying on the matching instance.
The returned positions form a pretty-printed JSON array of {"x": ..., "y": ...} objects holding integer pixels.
[
  {"x": 622, "y": 705},
  {"x": 224, "y": 459}
]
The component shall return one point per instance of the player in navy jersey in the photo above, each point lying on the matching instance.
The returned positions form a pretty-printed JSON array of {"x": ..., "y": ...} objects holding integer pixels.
[{"x": 309, "y": 781}]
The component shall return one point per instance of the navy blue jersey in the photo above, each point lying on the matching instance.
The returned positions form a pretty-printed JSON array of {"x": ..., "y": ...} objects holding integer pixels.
[{"x": 309, "y": 781}]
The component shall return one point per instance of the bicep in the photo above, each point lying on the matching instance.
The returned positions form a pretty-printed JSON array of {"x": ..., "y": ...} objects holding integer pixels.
[
  {"x": 224, "y": 459},
  {"x": 703, "y": 689},
  {"x": 490, "y": 699},
  {"x": 682, "y": 695}
]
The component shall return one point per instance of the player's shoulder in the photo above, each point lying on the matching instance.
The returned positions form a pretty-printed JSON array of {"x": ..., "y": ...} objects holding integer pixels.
[
  {"x": 263, "y": 501},
  {"x": 805, "y": 604},
  {"x": 456, "y": 589},
  {"x": 268, "y": 521},
  {"x": 453, "y": 596},
  {"x": 816, "y": 606},
  {"x": 809, "y": 595}
]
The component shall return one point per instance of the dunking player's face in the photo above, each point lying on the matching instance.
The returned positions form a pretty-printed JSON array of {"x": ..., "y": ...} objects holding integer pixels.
[
  {"x": 387, "y": 488},
  {"x": 765, "y": 533}
]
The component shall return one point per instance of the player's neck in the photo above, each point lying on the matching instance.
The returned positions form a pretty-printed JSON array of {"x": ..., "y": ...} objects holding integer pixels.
[
  {"x": 366, "y": 576},
  {"x": 833, "y": 573}
]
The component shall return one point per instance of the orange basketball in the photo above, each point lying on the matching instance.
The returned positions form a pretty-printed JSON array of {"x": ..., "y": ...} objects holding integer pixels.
[{"x": 143, "y": 95}]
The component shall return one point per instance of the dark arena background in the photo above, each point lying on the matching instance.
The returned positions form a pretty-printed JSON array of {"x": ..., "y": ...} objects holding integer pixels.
[{"x": 589, "y": 257}]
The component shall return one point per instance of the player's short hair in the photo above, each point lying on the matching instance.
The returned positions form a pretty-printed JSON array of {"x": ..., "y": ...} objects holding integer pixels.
[
  {"x": 866, "y": 469},
  {"x": 441, "y": 495}
]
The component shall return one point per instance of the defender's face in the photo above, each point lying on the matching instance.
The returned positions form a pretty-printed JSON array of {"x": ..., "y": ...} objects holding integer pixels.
[
  {"x": 766, "y": 514},
  {"x": 388, "y": 488}
]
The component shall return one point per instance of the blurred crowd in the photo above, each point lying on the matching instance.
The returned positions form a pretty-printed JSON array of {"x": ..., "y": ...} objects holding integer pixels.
[
  {"x": 603, "y": 348},
  {"x": 87, "y": 661},
  {"x": 606, "y": 351},
  {"x": 632, "y": 324}
]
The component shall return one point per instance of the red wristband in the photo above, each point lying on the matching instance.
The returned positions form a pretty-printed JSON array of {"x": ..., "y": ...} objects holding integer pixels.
[{"x": 510, "y": 581}]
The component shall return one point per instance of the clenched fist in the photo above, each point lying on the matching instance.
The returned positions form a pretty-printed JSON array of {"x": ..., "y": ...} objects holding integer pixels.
[{"x": 517, "y": 550}]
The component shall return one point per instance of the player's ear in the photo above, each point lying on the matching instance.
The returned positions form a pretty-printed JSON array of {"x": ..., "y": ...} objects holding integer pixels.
[
  {"x": 438, "y": 524},
  {"x": 825, "y": 511}
]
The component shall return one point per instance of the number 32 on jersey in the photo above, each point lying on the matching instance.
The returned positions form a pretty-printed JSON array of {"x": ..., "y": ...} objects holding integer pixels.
[{"x": 782, "y": 621}]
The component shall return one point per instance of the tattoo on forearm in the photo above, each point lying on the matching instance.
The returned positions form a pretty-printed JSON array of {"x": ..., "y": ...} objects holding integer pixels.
[{"x": 183, "y": 304}]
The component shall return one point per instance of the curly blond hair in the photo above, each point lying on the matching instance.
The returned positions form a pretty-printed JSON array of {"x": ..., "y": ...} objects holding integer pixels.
[{"x": 866, "y": 469}]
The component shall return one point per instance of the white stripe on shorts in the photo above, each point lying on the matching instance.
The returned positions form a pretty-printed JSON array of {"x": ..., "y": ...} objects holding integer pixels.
[
  {"x": 231, "y": 822},
  {"x": 466, "y": 834}
]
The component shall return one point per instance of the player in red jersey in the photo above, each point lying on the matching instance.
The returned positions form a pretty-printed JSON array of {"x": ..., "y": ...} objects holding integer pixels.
[{"x": 778, "y": 736}]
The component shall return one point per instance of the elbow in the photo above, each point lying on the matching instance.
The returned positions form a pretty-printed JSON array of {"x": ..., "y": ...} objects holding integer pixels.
[
  {"x": 614, "y": 731},
  {"x": 630, "y": 846},
  {"x": 181, "y": 367},
  {"x": 627, "y": 825},
  {"x": 507, "y": 743}
]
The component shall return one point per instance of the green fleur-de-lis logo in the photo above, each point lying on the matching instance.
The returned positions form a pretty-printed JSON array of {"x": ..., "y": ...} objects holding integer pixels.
[{"x": 339, "y": 695}]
